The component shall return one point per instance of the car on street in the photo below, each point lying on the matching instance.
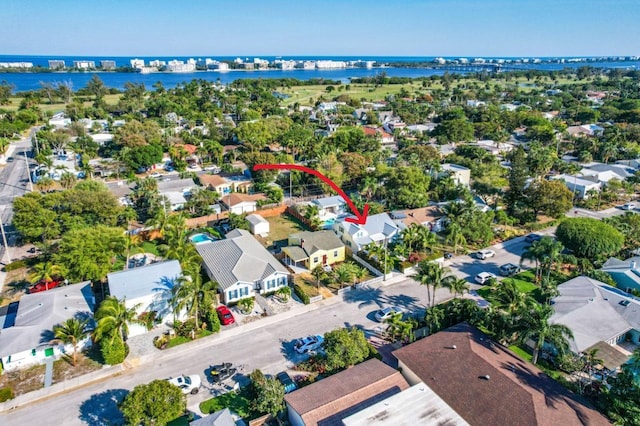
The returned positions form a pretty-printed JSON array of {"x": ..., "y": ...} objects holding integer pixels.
[
  {"x": 509, "y": 269},
  {"x": 225, "y": 315},
  {"x": 309, "y": 343},
  {"x": 485, "y": 254},
  {"x": 214, "y": 169},
  {"x": 187, "y": 384},
  {"x": 533, "y": 238},
  {"x": 44, "y": 286},
  {"x": 484, "y": 277},
  {"x": 286, "y": 380},
  {"x": 384, "y": 314},
  {"x": 629, "y": 206},
  {"x": 155, "y": 175}
]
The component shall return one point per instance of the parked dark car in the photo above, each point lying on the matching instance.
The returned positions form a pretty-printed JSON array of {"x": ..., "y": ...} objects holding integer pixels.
[
  {"x": 509, "y": 269},
  {"x": 287, "y": 382},
  {"x": 532, "y": 238}
]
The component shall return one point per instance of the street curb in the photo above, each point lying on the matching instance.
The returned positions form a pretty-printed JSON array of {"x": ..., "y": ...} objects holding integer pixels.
[
  {"x": 58, "y": 388},
  {"x": 164, "y": 355}
]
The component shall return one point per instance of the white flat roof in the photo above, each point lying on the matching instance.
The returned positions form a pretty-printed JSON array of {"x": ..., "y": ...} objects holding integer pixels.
[{"x": 418, "y": 405}]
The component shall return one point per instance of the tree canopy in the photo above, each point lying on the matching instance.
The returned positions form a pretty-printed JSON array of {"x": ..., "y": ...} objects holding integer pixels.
[
  {"x": 590, "y": 238},
  {"x": 156, "y": 403}
]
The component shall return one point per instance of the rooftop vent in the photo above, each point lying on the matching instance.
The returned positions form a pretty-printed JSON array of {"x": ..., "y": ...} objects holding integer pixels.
[
  {"x": 454, "y": 347},
  {"x": 486, "y": 377},
  {"x": 624, "y": 302}
]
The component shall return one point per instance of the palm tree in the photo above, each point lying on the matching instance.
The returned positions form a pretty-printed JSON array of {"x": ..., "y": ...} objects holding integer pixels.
[
  {"x": 68, "y": 180},
  {"x": 343, "y": 273},
  {"x": 551, "y": 253},
  {"x": 507, "y": 297},
  {"x": 432, "y": 275},
  {"x": 425, "y": 239},
  {"x": 71, "y": 332},
  {"x": 45, "y": 271},
  {"x": 535, "y": 252},
  {"x": 113, "y": 319},
  {"x": 318, "y": 273},
  {"x": 191, "y": 294},
  {"x": 540, "y": 330},
  {"x": 410, "y": 235},
  {"x": 457, "y": 286},
  {"x": 455, "y": 236}
]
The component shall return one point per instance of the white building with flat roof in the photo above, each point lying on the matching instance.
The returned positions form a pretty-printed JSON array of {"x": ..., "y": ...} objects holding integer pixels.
[{"x": 137, "y": 63}]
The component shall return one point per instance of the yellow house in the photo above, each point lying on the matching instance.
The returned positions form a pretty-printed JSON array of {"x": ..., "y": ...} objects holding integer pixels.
[{"x": 312, "y": 249}]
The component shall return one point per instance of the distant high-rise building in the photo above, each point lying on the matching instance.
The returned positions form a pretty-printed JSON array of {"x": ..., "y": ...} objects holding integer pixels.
[
  {"x": 137, "y": 63},
  {"x": 108, "y": 65},
  {"x": 84, "y": 65},
  {"x": 56, "y": 64}
]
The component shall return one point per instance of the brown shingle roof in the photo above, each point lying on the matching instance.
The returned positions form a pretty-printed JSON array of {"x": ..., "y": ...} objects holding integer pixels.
[
  {"x": 239, "y": 197},
  {"x": 212, "y": 180},
  {"x": 328, "y": 401},
  {"x": 515, "y": 392},
  {"x": 422, "y": 215}
]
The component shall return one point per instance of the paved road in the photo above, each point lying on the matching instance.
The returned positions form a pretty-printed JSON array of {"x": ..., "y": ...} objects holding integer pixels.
[
  {"x": 268, "y": 348},
  {"x": 14, "y": 182}
]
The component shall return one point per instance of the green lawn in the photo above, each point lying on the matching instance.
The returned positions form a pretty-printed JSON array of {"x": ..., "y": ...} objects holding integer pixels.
[
  {"x": 523, "y": 286},
  {"x": 307, "y": 284},
  {"x": 59, "y": 106},
  {"x": 521, "y": 353},
  {"x": 236, "y": 402},
  {"x": 280, "y": 227}
]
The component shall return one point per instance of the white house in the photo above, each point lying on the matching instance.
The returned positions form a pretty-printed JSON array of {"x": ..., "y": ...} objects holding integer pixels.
[
  {"x": 59, "y": 121},
  {"x": 258, "y": 224},
  {"x": 30, "y": 340},
  {"x": 239, "y": 203},
  {"x": 379, "y": 229},
  {"x": 460, "y": 174},
  {"x": 148, "y": 289},
  {"x": 579, "y": 185},
  {"x": 242, "y": 266},
  {"x": 329, "y": 208},
  {"x": 605, "y": 172},
  {"x": 176, "y": 191}
]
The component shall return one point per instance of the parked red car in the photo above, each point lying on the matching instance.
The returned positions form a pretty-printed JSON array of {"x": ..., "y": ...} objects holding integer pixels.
[
  {"x": 225, "y": 315},
  {"x": 44, "y": 286}
]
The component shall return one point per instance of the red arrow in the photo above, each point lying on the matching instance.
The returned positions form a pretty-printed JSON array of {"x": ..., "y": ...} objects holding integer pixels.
[{"x": 360, "y": 219}]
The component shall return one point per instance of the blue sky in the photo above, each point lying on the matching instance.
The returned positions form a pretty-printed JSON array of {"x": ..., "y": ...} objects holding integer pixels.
[{"x": 325, "y": 27}]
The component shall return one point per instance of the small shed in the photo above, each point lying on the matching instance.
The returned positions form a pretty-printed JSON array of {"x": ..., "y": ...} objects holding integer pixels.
[{"x": 258, "y": 224}]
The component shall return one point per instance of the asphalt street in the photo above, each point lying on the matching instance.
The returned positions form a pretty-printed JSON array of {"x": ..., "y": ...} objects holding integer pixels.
[{"x": 269, "y": 348}]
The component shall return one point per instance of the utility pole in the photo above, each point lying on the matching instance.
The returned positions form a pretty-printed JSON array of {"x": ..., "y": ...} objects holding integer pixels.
[
  {"x": 4, "y": 238},
  {"x": 28, "y": 171},
  {"x": 384, "y": 276},
  {"x": 290, "y": 189}
]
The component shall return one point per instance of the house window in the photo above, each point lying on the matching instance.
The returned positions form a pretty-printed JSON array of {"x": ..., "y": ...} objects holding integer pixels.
[
  {"x": 33, "y": 352},
  {"x": 244, "y": 291},
  {"x": 233, "y": 294},
  {"x": 335, "y": 253},
  {"x": 315, "y": 260}
]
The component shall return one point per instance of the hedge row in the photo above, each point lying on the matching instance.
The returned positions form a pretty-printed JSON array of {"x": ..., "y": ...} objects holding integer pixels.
[{"x": 301, "y": 294}]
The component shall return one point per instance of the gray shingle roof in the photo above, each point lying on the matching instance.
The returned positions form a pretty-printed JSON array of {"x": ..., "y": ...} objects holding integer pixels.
[
  {"x": 145, "y": 280},
  {"x": 334, "y": 201},
  {"x": 39, "y": 312},
  {"x": 319, "y": 240},
  {"x": 239, "y": 258},
  {"x": 585, "y": 307},
  {"x": 179, "y": 185},
  {"x": 256, "y": 219}
]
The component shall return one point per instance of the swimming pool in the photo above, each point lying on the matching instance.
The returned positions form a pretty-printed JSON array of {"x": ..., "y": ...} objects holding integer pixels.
[
  {"x": 201, "y": 238},
  {"x": 328, "y": 224}
]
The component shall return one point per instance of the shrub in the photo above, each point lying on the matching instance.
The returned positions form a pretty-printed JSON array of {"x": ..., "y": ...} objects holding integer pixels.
[
  {"x": 246, "y": 304},
  {"x": 301, "y": 294},
  {"x": 6, "y": 394},
  {"x": 15, "y": 265},
  {"x": 210, "y": 317},
  {"x": 284, "y": 293},
  {"x": 590, "y": 238},
  {"x": 185, "y": 328},
  {"x": 114, "y": 351},
  {"x": 148, "y": 319}
]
